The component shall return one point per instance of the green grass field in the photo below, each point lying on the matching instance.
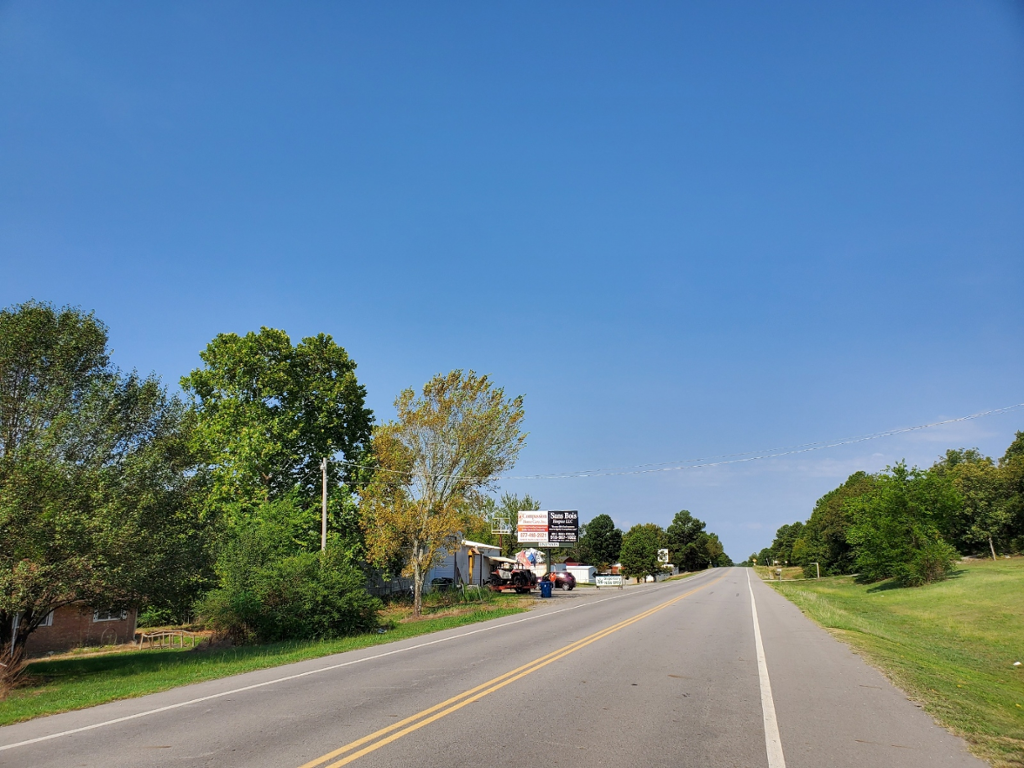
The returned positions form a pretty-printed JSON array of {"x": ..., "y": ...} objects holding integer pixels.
[
  {"x": 951, "y": 645},
  {"x": 73, "y": 683}
]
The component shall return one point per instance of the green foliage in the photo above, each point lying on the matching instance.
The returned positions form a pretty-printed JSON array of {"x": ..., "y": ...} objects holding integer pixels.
[
  {"x": 98, "y": 487},
  {"x": 66, "y": 684},
  {"x": 433, "y": 462},
  {"x": 268, "y": 593},
  {"x": 687, "y": 542},
  {"x": 508, "y": 508},
  {"x": 983, "y": 520},
  {"x": 948, "y": 645},
  {"x": 785, "y": 538},
  {"x": 895, "y": 527},
  {"x": 269, "y": 412},
  {"x": 823, "y": 539},
  {"x": 639, "y": 553},
  {"x": 713, "y": 549},
  {"x": 600, "y": 542}
]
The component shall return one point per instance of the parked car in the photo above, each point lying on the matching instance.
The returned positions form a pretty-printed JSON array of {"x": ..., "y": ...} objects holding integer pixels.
[{"x": 563, "y": 580}]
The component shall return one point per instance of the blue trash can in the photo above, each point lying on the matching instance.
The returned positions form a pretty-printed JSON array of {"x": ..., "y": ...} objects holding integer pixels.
[{"x": 545, "y": 588}]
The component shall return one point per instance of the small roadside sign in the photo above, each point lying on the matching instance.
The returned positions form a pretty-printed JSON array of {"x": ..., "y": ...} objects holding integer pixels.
[{"x": 608, "y": 581}]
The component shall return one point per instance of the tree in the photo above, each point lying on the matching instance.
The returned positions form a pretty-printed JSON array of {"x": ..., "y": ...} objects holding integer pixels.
[
  {"x": 600, "y": 542},
  {"x": 97, "y": 484},
  {"x": 1011, "y": 466},
  {"x": 785, "y": 537},
  {"x": 432, "y": 462},
  {"x": 270, "y": 412},
  {"x": 895, "y": 527},
  {"x": 639, "y": 554},
  {"x": 272, "y": 589},
  {"x": 823, "y": 539},
  {"x": 508, "y": 508},
  {"x": 984, "y": 515},
  {"x": 685, "y": 536},
  {"x": 714, "y": 551}
]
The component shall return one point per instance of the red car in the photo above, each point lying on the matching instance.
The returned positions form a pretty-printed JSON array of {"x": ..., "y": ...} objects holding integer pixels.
[{"x": 562, "y": 580}]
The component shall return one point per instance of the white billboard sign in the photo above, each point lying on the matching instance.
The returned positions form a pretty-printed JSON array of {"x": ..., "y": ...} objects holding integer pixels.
[
  {"x": 608, "y": 581},
  {"x": 550, "y": 528},
  {"x": 532, "y": 527}
]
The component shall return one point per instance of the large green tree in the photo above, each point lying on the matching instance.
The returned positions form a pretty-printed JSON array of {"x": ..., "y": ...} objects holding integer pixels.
[
  {"x": 443, "y": 449},
  {"x": 686, "y": 542},
  {"x": 639, "y": 554},
  {"x": 97, "y": 482},
  {"x": 269, "y": 412},
  {"x": 895, "y": 527},
  {"x": 983, "y": 519},
  {"x": 600, "y": 542},
  {"x": 1012, "y": 468},
  {"x": 823, "y": 539}
]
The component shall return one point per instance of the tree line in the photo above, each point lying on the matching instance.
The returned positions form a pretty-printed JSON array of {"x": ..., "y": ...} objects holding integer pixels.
[
  {"x": 909, "y": 523},
  {"x": 116, "y": 493}
]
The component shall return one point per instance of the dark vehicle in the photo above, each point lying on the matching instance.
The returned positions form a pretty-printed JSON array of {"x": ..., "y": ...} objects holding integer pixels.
[
  {"x": 562, "y": 580},
  {"x": 510, "y": 575}
]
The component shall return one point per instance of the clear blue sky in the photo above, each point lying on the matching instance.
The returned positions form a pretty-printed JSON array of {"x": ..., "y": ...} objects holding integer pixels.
[{"x": 678, "y": 229}]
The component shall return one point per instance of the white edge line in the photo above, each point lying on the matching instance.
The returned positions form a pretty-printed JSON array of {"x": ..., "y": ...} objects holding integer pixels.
[
  {"x": 317, "y": 671},
  {"x": 772, "y": 739}
]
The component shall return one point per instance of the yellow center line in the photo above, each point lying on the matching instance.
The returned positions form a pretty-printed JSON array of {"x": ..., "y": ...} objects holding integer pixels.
[{"x": 436, "y": 712}]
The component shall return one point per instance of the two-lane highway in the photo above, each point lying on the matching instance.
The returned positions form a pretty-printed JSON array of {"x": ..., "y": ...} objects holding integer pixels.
[{"x": 652, "y": 675}]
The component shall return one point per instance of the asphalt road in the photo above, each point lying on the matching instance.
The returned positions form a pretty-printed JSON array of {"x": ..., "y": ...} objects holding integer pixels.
[{"x": 652, "y": 675}]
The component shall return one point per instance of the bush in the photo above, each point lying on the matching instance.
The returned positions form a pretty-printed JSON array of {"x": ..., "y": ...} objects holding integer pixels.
[
  {"x": 933, "y": 562},
  {"x": 308, "y": 596},
  {"x": 894, "y": 529}
]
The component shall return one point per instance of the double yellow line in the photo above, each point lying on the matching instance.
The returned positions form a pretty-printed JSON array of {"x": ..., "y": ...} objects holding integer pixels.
[{"x": 395, "y": 731}]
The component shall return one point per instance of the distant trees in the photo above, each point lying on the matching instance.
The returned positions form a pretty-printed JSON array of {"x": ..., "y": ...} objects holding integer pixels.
[
  {"x": 691, "y": 548},
  {"x": 639, "y": 553},
  {"x": 686, "y": 542},
  {"x": 432, "y": 461},
  {"x": 911, "y": 523}
]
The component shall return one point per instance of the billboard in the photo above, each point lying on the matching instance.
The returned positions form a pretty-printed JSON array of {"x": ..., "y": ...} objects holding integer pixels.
[{"x": 548, "y": 528}]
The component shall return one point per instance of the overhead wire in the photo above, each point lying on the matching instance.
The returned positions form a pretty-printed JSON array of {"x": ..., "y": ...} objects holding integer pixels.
[{"x": 718, "y": 460}]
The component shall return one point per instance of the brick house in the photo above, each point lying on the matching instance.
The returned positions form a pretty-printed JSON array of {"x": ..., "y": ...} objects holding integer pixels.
[{"x": 74, "y": 626}]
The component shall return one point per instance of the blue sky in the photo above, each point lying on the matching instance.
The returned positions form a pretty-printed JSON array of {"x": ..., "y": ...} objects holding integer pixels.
[{"x": 678, "y": 229}]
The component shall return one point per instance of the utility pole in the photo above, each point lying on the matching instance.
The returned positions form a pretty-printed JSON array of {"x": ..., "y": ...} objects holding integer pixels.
[{"x": 323, "y": 520}]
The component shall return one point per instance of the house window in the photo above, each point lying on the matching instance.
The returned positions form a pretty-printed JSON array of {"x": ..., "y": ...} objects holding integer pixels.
[
  {"x": 47, "y": 620},
  {"x": 110, "y": 614}
]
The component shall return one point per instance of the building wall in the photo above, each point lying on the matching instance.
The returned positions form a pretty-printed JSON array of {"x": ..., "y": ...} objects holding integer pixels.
[
  {"x": 446, "y": 568},
  {"x": 584, "y": 573},
  {"x": 75, "y": 627}
]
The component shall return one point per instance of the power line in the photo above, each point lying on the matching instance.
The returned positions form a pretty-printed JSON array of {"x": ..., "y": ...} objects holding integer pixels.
[{"x": 736, "y": 458}]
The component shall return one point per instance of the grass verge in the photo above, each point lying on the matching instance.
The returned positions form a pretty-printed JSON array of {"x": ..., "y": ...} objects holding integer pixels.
[
  {"x": 951, "y": 645},
  {"x": 74, "y": 683}
]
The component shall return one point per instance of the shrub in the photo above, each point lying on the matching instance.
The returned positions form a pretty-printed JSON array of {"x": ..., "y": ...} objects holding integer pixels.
[
  {"x": 308, "y": 596},
  {"x": 933, "y": 562}
]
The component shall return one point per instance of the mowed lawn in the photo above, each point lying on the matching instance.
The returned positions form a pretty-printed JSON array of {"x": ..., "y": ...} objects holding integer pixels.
[
  {"x": 951, "y": 646},
  {"x": 73, "y": 683}
]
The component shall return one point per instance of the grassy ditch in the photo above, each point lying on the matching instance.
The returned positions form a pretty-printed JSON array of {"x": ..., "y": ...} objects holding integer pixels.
[
  {"x": 60, "y": 685},
  {"x": 951, "y": 645}
]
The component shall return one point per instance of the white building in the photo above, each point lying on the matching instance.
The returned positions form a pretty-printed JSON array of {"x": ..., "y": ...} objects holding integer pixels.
[{"x": 469, "y": 564}]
